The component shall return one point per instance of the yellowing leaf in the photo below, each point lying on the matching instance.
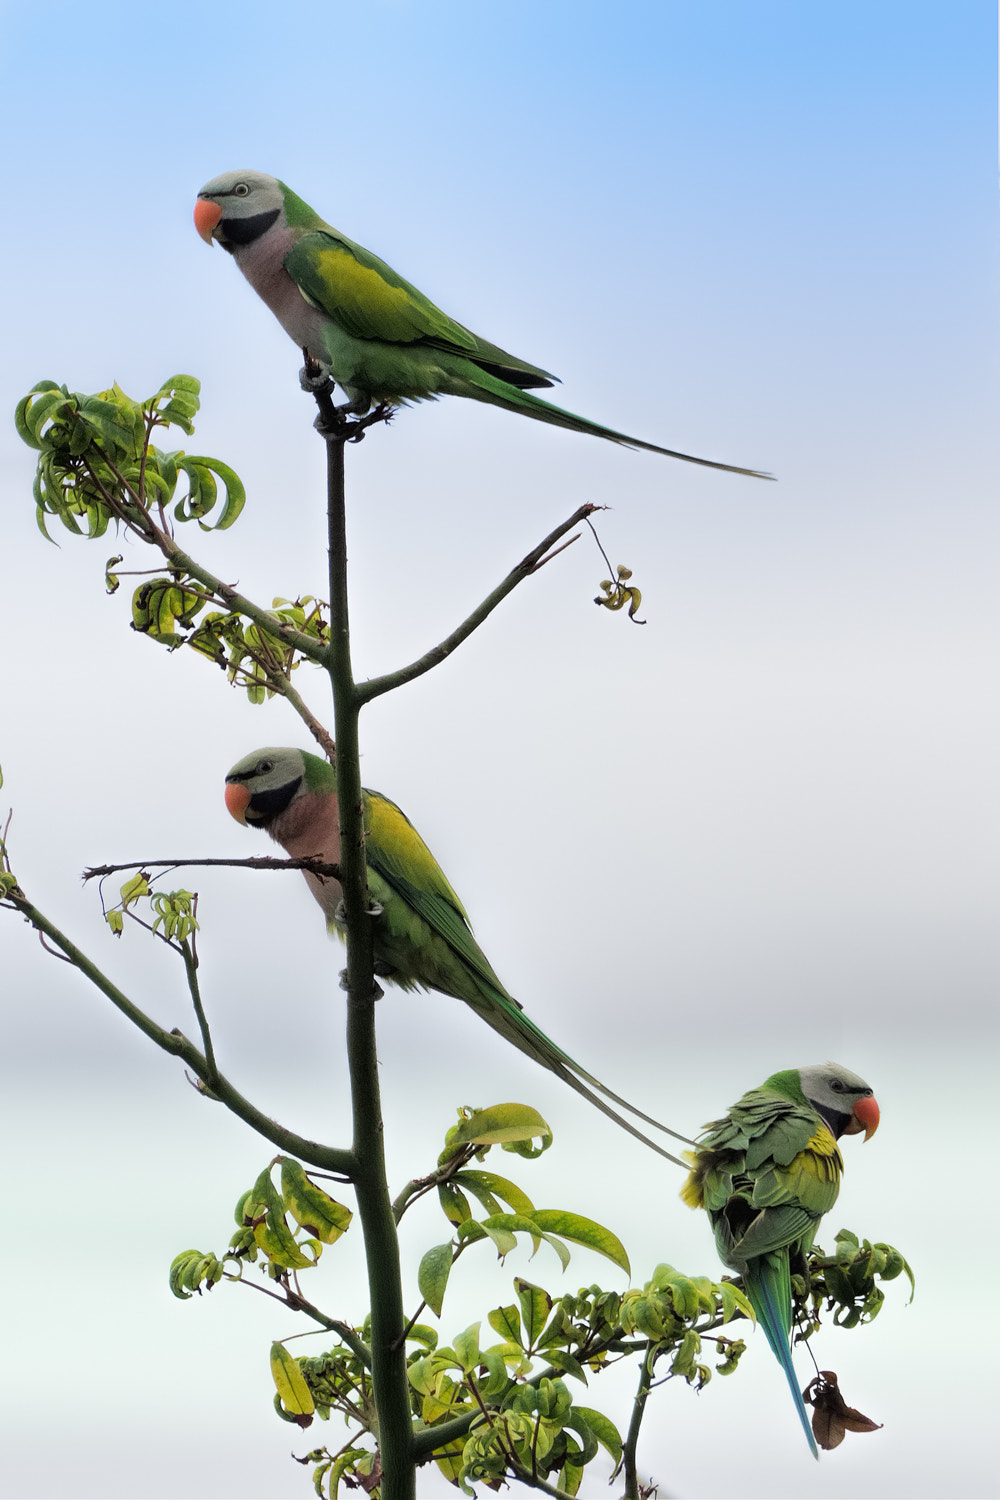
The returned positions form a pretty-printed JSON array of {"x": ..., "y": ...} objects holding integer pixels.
[
  {"x": 290, "y": 1383},
  {"x": 312, "y": 1208}
]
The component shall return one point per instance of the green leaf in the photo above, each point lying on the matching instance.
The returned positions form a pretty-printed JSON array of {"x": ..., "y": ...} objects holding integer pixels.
[
  {"x": 577, "y": 1423},
  {"x": 479, "y": 1191},
  {"x": 536, "y": 1304},
  {"x": 466, "y": 1347},
  {"x": 457, "y": 1209},
  {"x": 733, "y": 1301},
  {"x": 583, "y": 1231},
  {"x": 117, "y": 421},
  {"x": 563, "y": 1360},
  {"x": 432, "y": 1275},
  {"x": 506, "y": 1321},
  {"x": 203, "y": 491},
  {"x": 341, "y": 1466},
  {"x": 604, "y": 1430},
  {"x": 424, "y": 1335},
  {"x": 500, "y": 1187},
  {"x": 500, "y": 1123},
  {"x": 270, "y": 1229},
  {"x": 312, "y": 1208}
]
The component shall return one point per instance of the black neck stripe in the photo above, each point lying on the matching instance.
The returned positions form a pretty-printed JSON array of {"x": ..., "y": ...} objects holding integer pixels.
[{"x": 245, "y": 231}]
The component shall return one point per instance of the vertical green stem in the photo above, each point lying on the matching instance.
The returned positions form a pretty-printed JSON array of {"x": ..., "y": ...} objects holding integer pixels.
[
  {"x": 388, "y": 1361},
  {"x": 633, "y": 1491}
]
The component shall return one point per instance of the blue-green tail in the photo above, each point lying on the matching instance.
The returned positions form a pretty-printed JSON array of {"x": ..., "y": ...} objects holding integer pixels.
[{"x": 768, "y": 1280}]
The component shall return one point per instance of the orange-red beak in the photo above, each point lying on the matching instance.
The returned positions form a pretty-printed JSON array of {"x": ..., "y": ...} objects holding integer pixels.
[
  {"x": 865, "y": 1117},
  {"x": 238, "y": 800},
  {"x": 206, "y": 215}
]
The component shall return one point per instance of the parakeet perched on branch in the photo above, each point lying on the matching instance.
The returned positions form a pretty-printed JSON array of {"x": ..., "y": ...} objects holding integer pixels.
[
  {"x": 766, "y": 1174},
  {"x": 379, "y": 338},
  {"x": 422, "y": 936}
]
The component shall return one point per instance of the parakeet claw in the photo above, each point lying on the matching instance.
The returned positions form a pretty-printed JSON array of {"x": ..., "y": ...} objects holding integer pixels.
[
  {"x": 340, "y": 915},
  {"x": 377, "y": 990},
  {"x": 315, "y": 379}
]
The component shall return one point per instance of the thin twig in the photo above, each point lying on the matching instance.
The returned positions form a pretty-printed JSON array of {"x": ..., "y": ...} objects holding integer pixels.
[
  {"x": 418, "y": 1186},
  {"x": 375, "y": 686},
  {"x": 555, "y": 552},
  {"x": 254, "y": 862},
  {"x": 191, "y": 970},
  {"x": 328, "y": 1158}
]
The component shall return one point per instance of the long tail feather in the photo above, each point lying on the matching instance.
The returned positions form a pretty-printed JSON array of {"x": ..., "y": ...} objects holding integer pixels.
[
  {"x": 507, "y": 1017},
  {"x": 769, "y": 1287},
  {"x": 581, "y": 1088},
  {"x": 482, "y": 386}
]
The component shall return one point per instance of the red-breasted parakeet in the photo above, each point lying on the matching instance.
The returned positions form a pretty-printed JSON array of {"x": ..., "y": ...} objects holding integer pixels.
[
  {"x": 379, "y": 338},
  {"x": 766, "y": 1175},
  {"x": 422, "y": 936}
]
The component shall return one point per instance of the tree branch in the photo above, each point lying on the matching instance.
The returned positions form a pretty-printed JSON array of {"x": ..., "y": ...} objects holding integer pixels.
[
  {"x": 327, "y": 1158},
  {"x": 535, "y": 559},
  {"x": 190, "y": 958},
  {"x": 253, "y": 862},
  {"x": 136, "y": 518},
  {"x": 632, "y": 1490},
  {"x": 390, "y": 1387}
]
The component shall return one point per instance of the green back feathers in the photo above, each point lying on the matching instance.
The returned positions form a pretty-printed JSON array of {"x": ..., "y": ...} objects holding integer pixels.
[
  {"x": 364, "y": 296},
  {"x": 369, "y": 300},
  {"x": 395, "y": 851}
]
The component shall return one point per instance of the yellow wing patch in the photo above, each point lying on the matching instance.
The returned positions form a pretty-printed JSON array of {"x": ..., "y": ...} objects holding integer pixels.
[
  {"x": 817, "y": 1166},
  {"x": 397, "y": 846},
  {"x": 364, "y": 287},
  {"x": 692, "y": 1193}
]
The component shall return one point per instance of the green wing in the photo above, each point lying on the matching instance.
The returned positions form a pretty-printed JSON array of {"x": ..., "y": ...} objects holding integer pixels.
[
  {"x": 396, "y": 852},
  {"x": 367, "y": 299}
]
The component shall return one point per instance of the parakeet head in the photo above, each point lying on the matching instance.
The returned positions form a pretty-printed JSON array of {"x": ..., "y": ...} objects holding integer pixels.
[
  {"x": 266, "y": 782},
  {"x": 238, "y": 207},
  {"x": 845, "y": 1101}
]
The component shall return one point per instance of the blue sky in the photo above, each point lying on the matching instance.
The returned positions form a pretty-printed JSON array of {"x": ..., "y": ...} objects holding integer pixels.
[{"x": 757, "y": 832}]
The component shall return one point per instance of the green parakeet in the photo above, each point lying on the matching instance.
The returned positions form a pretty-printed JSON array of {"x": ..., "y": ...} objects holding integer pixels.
[
  {"x": 766, "y": 1174},
  {"x": 379, "y": 338},
  {"x": 422, "y": 935}
]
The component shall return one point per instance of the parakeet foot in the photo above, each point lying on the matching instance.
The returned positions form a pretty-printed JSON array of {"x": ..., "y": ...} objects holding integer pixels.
[
  {"x": 377, "y": 990},
  {"x": 315, "y": 379}
]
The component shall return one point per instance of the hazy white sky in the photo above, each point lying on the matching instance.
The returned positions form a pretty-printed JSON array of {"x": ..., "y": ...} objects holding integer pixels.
[{"x": 755, "y": 833}]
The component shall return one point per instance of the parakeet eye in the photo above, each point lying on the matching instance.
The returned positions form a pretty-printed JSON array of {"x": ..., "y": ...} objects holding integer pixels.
[
  {"x": 242, "y": 189},
  {"x": 838, "y": 1085},
  {"x": 264, "y": 766}
]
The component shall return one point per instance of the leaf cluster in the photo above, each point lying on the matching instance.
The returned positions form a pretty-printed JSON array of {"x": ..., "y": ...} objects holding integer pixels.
[
  {"x": 97, "y": 463},
  {"x": 481, "y": 1410},
  {"x": 167, "y": 609},
  {"x": 262, "y": 1216},
  {"x": 847, "y": 1281}
]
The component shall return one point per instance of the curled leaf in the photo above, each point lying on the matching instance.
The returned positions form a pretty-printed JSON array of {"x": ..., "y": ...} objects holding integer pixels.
[
  {"x": 832, "y": 1417},
  {"x": 500, "y": 1124}
]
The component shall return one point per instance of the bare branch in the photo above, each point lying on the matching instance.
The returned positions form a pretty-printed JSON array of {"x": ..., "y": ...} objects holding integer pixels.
[
  {"x": 375, "y": 686},
  {"x": 314, "y": 865},
  {"x": 328, "y": 1158}
]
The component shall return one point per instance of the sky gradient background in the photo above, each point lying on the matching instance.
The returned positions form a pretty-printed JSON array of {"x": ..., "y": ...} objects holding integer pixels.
[{"x": 757, "y": 832}]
